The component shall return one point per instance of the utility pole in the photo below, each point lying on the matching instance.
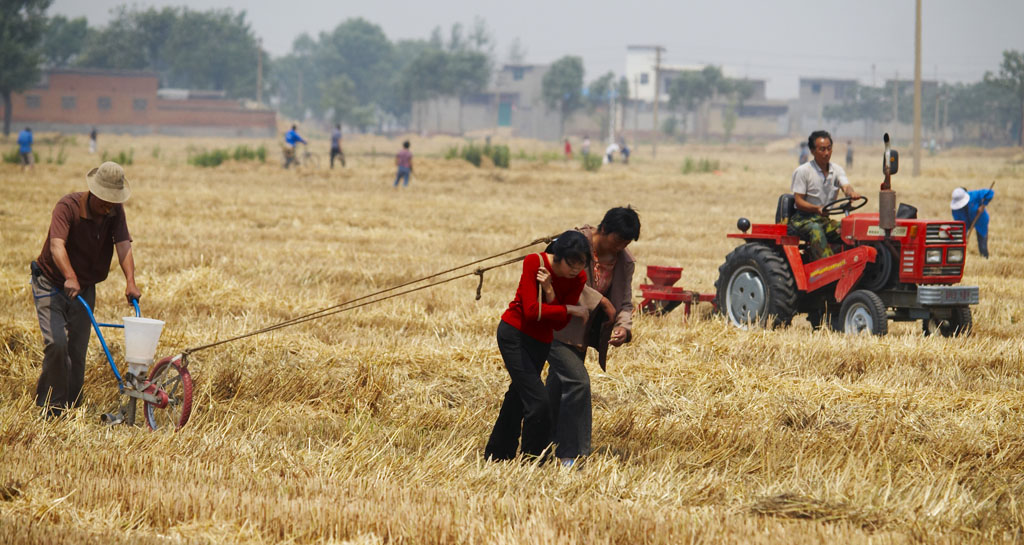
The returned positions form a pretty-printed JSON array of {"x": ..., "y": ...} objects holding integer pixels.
[
  {"x": 895, "y": 104},
  {"x": 636, "y": 108},
  {"x": 259, "y": 71},
  {"x": 611, "y": 114},
  {"x": 917, "y": 92},
  {"x": 945, "y": 118},
  {"x": 935, "y": 125},
  {"x": 657, "y": 97}
]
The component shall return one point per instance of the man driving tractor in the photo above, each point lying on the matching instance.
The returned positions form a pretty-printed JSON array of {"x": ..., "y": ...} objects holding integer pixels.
[{"x": 815, "y": 184}]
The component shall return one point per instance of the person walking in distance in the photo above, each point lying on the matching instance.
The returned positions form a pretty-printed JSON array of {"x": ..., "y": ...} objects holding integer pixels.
[
  {"x": 336, "y": 146},
  {"x": 92, "y": 141},
  {"x": 849, "y": 154},
  {"x": 403, "y": 160},
  {"x": 85, "y": 230},
  {"x": 25, "y": 148}
]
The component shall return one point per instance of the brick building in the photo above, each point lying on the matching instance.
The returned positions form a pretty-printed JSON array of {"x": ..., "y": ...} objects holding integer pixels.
[{"x": 122, "y": 101}]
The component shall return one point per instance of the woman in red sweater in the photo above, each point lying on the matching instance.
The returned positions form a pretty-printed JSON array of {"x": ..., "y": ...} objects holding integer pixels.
[{"x": 524, "y": 338}]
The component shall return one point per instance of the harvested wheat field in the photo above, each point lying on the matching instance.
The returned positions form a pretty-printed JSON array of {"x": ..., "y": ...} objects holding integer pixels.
[{"x": 368, "y": 426}]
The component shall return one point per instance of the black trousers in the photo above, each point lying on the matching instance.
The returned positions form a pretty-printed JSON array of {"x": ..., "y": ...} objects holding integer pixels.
[
  {"x": 335, "y": 152},
  {"x": 526, "y": 410},
  {"x": 568, "y": 389}
]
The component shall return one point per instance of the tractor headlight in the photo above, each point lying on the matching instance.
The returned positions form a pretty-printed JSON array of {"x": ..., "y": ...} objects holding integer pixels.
[
  {"x": 955, "y": 255},
  {"x": 933, "y": 256}
]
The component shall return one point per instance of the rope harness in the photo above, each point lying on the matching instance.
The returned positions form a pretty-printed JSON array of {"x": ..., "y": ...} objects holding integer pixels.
[{"x": 375, "y": 297}]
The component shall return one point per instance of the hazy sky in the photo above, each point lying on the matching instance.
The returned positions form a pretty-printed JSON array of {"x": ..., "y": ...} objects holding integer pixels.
[{"x": 778, "y": 40}]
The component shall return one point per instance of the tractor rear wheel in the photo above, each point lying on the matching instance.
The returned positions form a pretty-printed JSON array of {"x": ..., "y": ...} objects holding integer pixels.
[
  {"x": 960, "y": 323},
  {"x": 755, "y": 286},
  {"x": 863, "y": 312}
]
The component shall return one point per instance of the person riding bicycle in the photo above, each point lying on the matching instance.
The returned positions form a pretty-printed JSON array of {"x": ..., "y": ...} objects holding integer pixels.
[
  {"x": 290, "y": 139},
  {"x": 815, "y": 184}
]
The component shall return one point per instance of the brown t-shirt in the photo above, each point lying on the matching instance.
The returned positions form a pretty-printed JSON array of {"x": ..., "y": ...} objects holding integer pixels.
[{"x": 89, "y": 240}]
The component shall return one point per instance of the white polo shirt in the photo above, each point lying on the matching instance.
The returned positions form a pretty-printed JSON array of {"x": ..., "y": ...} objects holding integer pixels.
[{"x": 818, "y": 188}]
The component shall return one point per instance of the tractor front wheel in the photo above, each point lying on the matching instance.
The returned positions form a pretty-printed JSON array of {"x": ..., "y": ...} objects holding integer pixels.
[
  {"x": 959, "y": 323},
  {"x": 863, "y": 312},
  {"x": 755, "y": 286}
]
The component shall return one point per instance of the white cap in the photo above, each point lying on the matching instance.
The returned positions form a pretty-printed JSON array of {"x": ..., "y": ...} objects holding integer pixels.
[{"x": 960, "y": 199}]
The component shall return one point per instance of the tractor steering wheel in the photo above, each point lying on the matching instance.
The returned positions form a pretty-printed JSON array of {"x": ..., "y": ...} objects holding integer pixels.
[{"x": 843, "y": 206}]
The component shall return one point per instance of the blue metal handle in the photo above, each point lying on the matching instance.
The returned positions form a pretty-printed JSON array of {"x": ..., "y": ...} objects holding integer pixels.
[
  {"x": 103, "y": 343},
  {"x": 135, "y": 303}
]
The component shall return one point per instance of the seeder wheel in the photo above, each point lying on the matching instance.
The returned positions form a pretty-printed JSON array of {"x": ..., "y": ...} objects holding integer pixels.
[{"x": 169, "y": 377}]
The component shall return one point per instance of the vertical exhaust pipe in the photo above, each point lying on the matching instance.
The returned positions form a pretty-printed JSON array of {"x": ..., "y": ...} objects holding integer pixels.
[{"x": 886, "y": 196}]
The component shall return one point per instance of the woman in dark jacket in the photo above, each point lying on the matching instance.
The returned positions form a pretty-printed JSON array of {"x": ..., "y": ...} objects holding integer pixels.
[{"x": 547, "y": 296}]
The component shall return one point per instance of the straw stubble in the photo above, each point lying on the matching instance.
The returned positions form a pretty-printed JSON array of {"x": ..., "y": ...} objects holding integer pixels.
[{"x": 368, "y": 426}]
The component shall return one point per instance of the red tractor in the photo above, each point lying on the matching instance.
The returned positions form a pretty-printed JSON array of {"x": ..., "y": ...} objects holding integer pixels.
[{"x": 889, "y": 266}]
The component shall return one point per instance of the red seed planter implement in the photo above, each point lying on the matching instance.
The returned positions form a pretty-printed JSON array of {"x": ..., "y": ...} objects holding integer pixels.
[
  {"x": 166, "y": 392},
  {"x": 662, "y": 296}
]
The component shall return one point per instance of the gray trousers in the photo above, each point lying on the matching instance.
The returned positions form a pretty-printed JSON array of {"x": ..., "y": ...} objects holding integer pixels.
[
  {"x": 66, "y": 328},
  {"x": 568, "y": 389}
]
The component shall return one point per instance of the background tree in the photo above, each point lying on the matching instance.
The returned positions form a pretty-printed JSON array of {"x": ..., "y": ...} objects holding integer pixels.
[
  {"x": 599, "y": 90},
  {"x": 63, "y": 40},
  {"x": 982, "y": 113},
  {"x": 597, "y": 98},
  {"x": 214, "y": 49},
  {"x": 1011, "y": 78},
  {"x": 394, "y": 98},
  {"x": 291, "y": 75},
  {"x": 426, "y": 78},
  {"x": 459, "y": 68},
  {"x": 338, "y": 95},
  {"x": 622, "y": 92},
  {"x": 21, "y": 27},
  {"x": 467, "y": 73},
  {"x": 132, "y": 40},
  {"x": 562, "y": 87},
  {"x": 686, "y": 91}
]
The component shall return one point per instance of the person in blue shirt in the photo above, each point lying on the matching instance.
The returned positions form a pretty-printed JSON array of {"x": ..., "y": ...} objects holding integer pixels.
[
  {"x": 965, "y": 205},
  {"x": 25, "y": 148},
  {"x": 290, "y": 139}
]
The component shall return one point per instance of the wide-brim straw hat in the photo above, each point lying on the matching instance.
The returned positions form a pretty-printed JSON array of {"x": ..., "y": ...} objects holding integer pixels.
[
  {"x": 960, "y": 199},
  {"x": 107, "y": 182}
]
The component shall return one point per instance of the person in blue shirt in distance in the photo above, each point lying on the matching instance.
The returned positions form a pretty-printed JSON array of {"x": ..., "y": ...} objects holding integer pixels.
[
  {"x": 291, "y": 138},
  {"x": 965, "y": 205},
  {"x": 25, "y": 148}
]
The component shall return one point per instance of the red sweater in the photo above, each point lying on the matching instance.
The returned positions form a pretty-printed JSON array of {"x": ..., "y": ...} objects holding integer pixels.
[{"x": 522, "y": 311}]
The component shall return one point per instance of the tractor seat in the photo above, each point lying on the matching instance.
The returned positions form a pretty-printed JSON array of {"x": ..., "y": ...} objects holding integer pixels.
[
  {"x": 906, "y": 212},
  {"x": 785, "y": 208}
]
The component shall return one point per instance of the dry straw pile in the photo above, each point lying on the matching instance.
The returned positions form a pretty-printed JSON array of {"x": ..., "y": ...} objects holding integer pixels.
[{"x": 368, "y": 427}]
